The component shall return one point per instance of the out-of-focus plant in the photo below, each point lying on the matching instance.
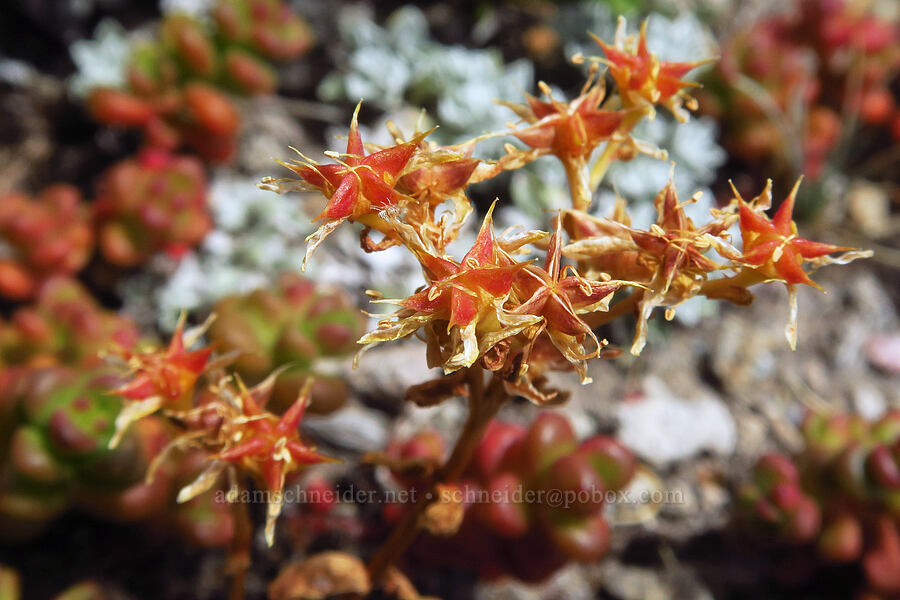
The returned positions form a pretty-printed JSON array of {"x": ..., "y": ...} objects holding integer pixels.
[
  {"x": 299, "y": 324},
  {"x": 57, "y": 424},
  {"x": 838, "y": 498},
  {"x": 255, "y": 237},
  {"x": 177, "y": 84},
  {"x": 399, "y": 65},
  {"x": 798, "y": 86},
  {"x": 65, "y": 326},
  {"x": 156, "y": 201},
  {"x": 526, "y": 488},
  {"x": 58, "y": 417},
  {"x": 42, "y": 237}
]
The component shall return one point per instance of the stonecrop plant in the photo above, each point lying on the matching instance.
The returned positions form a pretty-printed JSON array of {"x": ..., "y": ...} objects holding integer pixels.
[{"x": 515, "y": 307}]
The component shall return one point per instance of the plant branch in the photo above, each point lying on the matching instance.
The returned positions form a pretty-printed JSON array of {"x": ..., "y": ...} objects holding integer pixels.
[
  {"x": 483, "y": 406},
  {"x": 598, "y": 171}
]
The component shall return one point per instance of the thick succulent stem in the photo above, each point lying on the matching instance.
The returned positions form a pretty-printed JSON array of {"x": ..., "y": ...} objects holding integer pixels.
[
  {"x": 239, "y": 551},
  {"x": 483, "y": 406}
]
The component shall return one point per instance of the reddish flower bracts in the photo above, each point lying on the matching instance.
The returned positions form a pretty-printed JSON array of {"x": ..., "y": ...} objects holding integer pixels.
[
  {"x": 773, "y": 246},
  {"x": 642, "y": 79},
  {"x": 570, "y": 131},
  {"x": 160, "y": 378},
  {"x": 559, "y": 300},
  {"x": 257, "y": 442},
  {"x": 358, "y": 186},
  {"x": 463, "y": 308},
  {"x": 773, "y": 251}
]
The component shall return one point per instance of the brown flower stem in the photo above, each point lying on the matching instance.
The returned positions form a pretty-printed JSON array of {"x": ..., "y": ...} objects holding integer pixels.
[
  {"x": 483, "y": 406},
  {"x": 576, "y": 175},
  {"x": 238, "y": 561},
  {"x": 596, "y": 319}
]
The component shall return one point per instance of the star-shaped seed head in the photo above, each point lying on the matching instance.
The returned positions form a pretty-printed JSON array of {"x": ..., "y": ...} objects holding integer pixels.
[
  {"x": 358, "y": 185},
  {"x": 642, "y": 78},
  {"x": 257, "y": 442},
  {"x": 773, "y": 250},
  {"x": 570, "y": 131},
  {"x": 462, "y": 308},
  {"x": 559, "y": 296},
  {"x": 160, "y": 378}
]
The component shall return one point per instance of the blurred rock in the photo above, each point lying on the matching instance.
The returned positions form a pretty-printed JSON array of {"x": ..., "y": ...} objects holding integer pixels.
[
  {"x": 569, "y": 583},
  {"x": 884, "y": 351},
  {"x": 663, "y": 428},
  {"x": 869, "y": 208},
  {"x": 390, "y": 369},
  {"x": 353, "y": 427}
]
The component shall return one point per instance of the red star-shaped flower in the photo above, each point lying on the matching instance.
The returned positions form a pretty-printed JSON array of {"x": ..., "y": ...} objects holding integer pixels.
[
  {"x": 559, "y": 301},
  {"x": 675, "y": 243},
  {"x": 160, "y": 378},
  {"x": 258, "y": 442},
  {"x": 570, "y": 131},
  {"x": 773, "y": 247},
  {"x": 270, "y": 447},
  {"x": 461, "y": 290},
  {"x": 774, "y": 252},
  {"x": 468, "y": 296},
  {"x": 359, "y": 185},
  {"x": 438, "y": 174},
  {"x": 644, "y": 79}
]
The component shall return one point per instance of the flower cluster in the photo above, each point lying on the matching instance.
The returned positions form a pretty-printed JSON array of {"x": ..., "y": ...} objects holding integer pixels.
[
  {"x": 224, "y": 420},
  {"x": 498, "y": 320},
  {"x": 501, "y": 311}
]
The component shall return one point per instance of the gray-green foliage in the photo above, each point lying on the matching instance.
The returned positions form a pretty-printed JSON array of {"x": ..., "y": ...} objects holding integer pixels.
[{"x": 399, "y": 64}]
